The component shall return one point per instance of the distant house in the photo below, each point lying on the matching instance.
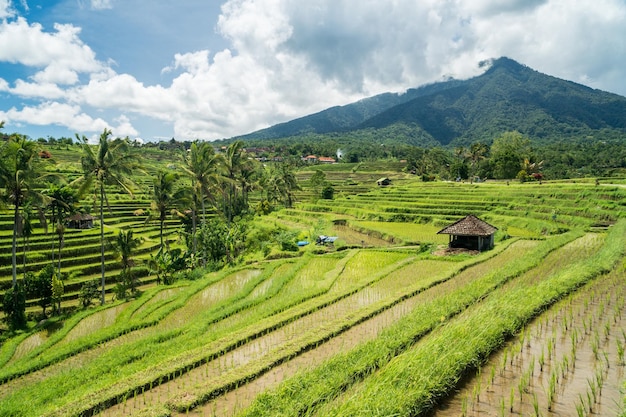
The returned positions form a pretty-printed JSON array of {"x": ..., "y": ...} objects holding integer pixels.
[
  {"x": 470, "y": 233},
  {"x": 326, "y": 160},
  {"x": 383, "y": 182},
  {"x": 310, "y": 159},
  {"x": 80, "y": 221}
]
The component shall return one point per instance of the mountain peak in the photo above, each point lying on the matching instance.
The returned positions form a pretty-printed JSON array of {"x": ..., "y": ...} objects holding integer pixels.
[{"x": 507, "y": 96}]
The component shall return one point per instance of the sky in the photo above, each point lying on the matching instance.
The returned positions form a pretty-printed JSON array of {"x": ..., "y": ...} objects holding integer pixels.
[{"x": 206, "y": 69}]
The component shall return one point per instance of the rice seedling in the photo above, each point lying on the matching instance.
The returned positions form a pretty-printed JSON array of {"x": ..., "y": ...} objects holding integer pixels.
[
  {"x": 536, "y": 405},
  {"x": 620, "y": 352}
]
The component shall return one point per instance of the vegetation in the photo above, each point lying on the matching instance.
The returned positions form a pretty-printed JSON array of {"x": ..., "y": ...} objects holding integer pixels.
[{"x": 244, "y": 293}]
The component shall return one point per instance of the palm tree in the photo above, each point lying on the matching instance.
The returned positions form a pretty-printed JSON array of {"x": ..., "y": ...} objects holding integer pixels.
[
  {"x": 234, "y": 162},
  {"x": 19, "y": 174},
  {"x": 477, "y": 152},
  {"x": 125, "y": 244},
  {"x": 281, "y": 184},
  {"x": 26, "y": 231},
  {"x": 61, "y": 205},
  {"x": 110, "y": 164},
  {"x": 164, "y": 197},
  {"x": 201, "y": 166}
]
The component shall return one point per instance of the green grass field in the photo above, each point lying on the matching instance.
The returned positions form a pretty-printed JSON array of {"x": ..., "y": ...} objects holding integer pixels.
[{"x": 381, "y": 323}]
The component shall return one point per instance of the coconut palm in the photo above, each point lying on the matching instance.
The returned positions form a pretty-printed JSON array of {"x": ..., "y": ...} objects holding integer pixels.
[
  {"x": 164, "y": 197},
  {"x": 125, "y": 244},
  {"x": 19, "y": 174},
  {"x": 281, "y": 185},
  {"x": 201, "y": 166},
  {"x": 236, "y": 172},
  {"x": 109, "y": 163},
  {"x": 26, "y": 231},
  {"x": 61, "y": 205},
  {"x": 478, "y": 151}
]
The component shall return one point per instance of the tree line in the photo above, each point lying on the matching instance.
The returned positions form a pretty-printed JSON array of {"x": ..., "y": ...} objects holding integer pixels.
[{"x": 207, "y": 190}]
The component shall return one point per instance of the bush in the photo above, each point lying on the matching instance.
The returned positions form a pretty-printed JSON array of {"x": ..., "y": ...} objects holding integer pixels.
[
  {"x": 88, "y": 292},
  {"x": 14, "y": 307},
  {"x": 328, "y": 192}
]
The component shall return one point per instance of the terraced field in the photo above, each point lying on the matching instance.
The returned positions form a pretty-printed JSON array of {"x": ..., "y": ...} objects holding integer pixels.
[{"x": 384, "y": 323}]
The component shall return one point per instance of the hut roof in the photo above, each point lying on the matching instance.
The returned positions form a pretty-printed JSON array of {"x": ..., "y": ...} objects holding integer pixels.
[
  {"x": 81, "y": 217},
  {"x": 469, "y": 226}
]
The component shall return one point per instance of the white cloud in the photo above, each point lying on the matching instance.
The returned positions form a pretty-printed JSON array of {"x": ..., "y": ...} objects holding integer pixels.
[
  {"x": 5, "y": 9},
  {"x": 288, "y": 58},
  {"x": 29, "y": 45},
  {"x": 45, "y": 91},
  {"x": 101, "y": 4},
  {"x": 53, "y": 113},
  {"x": 70, "y": 116}
]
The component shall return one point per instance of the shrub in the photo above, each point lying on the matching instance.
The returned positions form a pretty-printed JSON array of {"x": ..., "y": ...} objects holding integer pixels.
[
  {"x": 88, "y": 292},
  {"x": 14, "y": 307},
  {"x": 328, "y": 192}
]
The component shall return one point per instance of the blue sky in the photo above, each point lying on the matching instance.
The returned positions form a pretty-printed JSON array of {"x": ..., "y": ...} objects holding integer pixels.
[{"x": 205, "y": 69}]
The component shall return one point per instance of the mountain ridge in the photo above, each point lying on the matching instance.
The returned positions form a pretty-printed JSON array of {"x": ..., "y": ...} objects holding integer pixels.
[{"x": 507, "y": 96}]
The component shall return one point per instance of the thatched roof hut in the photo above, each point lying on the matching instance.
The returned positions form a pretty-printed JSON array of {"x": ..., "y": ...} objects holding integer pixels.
[
  {"x": 80, "y": 221},
  {"x": 470, "y": 233}
]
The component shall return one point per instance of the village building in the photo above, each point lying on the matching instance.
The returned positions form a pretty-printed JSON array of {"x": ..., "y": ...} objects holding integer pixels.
[
  {"x": 383, "y": 182},
  {"x": 80, "y": 221},
  {"x": 470, "y": 233}
]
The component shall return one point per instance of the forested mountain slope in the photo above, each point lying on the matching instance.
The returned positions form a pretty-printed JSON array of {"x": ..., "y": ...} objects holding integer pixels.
[{"x": 507, "y": 96}]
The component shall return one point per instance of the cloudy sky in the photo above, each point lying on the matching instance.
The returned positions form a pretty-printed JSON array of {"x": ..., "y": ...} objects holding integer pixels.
[{"x": 208, "y": 69}]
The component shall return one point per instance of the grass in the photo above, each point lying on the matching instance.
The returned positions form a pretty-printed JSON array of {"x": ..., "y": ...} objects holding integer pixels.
[{"x": 168, "y": 332}]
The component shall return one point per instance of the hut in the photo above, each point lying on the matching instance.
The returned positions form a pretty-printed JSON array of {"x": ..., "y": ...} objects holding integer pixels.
[
  {"x": 470, "y": 233},
  {"x": 80, "y": 221},
  {"x": 383, "y": 182}
]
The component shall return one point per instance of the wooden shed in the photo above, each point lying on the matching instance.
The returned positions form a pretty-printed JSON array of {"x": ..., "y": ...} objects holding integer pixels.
[
  {"x": 470, "y": 233},
  {"x": 383, "y": 182},
  {"x": 80, "y": 221}
]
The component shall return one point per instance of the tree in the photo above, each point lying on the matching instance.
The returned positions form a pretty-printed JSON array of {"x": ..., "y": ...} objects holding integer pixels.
[
  {"x": 328, "y": 192},
  {"x": 88, "y": 292},
  {"x": 166, "y": 263},
  {"x": 125, "y": 244},
  {"x": 26, "y": 231},
  {"x": 164, "y": 197},
  {"x": 19, "y": 175},
  {"x": 237, "y": 170},
  {"x": 508, "y": 153},
  {"x": 201, "y": 167},
  {"x": 14, "y": 307},
  {"x": 58, "y": 289},
  {"x": 61, "y": 204},
  {"x": 110, "y": 164},
  {"x": 40, "y": 286},
  {"x": 317, "y": 181},
  {"x": 281, "y": 184}
]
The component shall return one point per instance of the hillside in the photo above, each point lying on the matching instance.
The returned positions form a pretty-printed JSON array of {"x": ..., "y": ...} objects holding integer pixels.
[
  {"x": 507, "y": 96},
  {"x": 331, "y": 332}
]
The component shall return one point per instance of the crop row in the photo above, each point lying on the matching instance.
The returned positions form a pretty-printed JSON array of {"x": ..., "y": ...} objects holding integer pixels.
[{"x": 416, "y": 380}]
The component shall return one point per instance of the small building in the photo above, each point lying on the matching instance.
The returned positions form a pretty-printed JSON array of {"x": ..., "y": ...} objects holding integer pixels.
[
  {"x": 470, "y": 233},
  {"x": 80, "y": 221},
  {"x": 383, "y": 182}
]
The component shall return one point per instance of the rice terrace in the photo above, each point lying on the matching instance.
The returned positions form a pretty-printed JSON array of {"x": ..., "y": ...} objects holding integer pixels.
[{"x": 384, "y": 321}]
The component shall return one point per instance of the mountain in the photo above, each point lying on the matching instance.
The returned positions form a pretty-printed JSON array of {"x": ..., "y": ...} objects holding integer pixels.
[{"x": 507, "y": 96}]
